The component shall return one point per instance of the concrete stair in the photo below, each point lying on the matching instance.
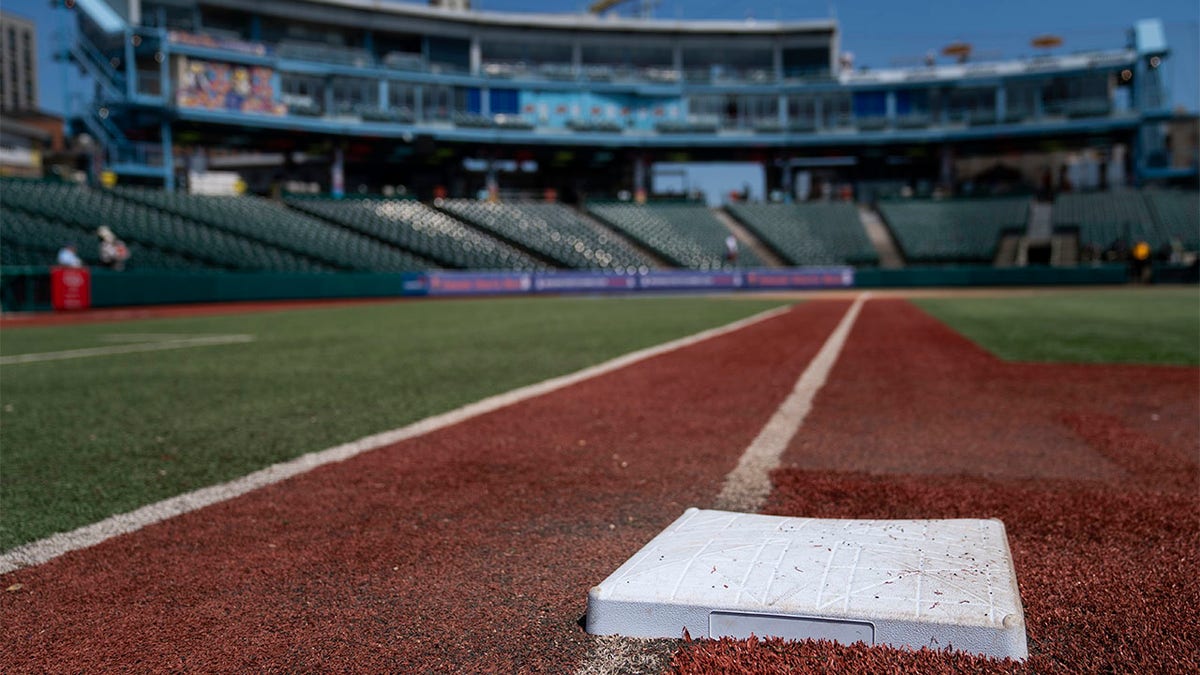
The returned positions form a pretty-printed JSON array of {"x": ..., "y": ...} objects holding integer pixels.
[{"x": 881, "y": 238}]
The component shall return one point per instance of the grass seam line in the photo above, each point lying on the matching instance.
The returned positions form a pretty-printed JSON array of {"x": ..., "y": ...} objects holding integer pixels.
[
  {"x": 43, "y": 550},
  {"x": 179, "y": 343}
]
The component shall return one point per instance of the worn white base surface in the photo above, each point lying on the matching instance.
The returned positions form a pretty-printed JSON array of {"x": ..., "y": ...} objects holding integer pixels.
[{"x": 905, "y": 583}]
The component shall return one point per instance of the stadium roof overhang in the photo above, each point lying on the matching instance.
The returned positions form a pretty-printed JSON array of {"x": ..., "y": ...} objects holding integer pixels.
[
  {"x": 421, "y": 18},
  {"x": 261, "y": 126},
  {"x": 103, "y": 15}
]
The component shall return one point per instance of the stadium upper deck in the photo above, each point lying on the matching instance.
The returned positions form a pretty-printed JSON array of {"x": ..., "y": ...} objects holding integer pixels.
[{"x": 278, "y": 74}]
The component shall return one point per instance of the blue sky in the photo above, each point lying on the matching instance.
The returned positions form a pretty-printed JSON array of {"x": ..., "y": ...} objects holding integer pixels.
[{"x": 881, "y": 33}]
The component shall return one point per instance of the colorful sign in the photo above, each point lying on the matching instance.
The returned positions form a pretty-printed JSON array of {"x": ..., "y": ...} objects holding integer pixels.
[{"x": 213, "y": 85}]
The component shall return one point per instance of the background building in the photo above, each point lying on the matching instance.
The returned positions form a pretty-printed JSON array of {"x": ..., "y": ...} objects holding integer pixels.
[
  {"x": 29, "y": 138},
  {"x": 452, "y": 102},
  {"x": 19, "y": 73}
]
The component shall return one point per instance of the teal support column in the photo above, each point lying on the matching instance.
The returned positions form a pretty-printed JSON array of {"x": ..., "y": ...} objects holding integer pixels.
[
  {"x": 164, "y": 70},
  {"x": 168, "y": 151},
  {"x": 130, "y": 66}
]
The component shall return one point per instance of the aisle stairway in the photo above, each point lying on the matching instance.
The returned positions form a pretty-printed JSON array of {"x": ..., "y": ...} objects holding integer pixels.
[{"x": 881, "y": 238}]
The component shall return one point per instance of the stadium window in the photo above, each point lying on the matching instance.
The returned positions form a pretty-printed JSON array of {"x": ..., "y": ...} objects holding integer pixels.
[
  {"x": 1021, "y": 98},
  {"x": 805, "y": 62}
]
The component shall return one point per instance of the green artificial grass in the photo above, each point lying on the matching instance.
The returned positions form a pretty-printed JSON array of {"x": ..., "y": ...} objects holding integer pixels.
[
  {"x": 1137, "y": 325},
  {"x": 86, "y": 438}
]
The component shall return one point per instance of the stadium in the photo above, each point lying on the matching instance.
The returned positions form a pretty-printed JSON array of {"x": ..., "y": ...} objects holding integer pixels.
[{"x": 380, "y": 337}]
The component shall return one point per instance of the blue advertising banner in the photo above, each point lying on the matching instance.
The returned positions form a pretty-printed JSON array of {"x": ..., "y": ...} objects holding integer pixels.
[
  {"x": 583, "y": 282},
  {"x": 827, "y": 277},
  {"x": 690, "y": 281},
  {"x": 493, "y": 283},
  {"x": 477, "y": 283}
]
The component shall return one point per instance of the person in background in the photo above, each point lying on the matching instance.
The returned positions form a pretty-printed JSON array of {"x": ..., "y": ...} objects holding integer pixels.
[
  {"x": 113, "y": 252},
  {"x": 67, "y": 257},
  {"x": 731, "y": 248},
  {"x": 1140, "y": 263}
]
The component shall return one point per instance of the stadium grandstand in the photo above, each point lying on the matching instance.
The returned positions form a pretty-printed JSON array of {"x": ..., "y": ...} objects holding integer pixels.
[{"x": 332, "y": 136}]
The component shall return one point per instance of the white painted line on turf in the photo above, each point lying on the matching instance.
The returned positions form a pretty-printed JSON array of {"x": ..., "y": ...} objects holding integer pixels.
[
  {"x": 747, "y": 486},
  {"x": 140, "y": 346},
  {"x": 149, "y": 337},
  {"x": 38, "y": 552}
]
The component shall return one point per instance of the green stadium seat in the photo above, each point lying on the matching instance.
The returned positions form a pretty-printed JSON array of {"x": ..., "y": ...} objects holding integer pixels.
[
  {"x": 954, "y": 231},
  {"x": 1103, "y": 218},
  {"x": 810, "y": 234},
  {"x": 275, "y": 225},
  {"x": 420, "y": 229},
  {"x": 551, "y": 230},
  {"x": 687, "y": 235}
]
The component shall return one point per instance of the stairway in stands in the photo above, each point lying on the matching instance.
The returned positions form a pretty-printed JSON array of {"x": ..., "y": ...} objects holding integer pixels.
[
  {"x": 881, "y": 238},
  {"x": 1041, "y": 244}
]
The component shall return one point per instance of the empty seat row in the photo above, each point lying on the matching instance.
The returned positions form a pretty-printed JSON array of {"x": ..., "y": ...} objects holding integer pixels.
[
  {"x": 688, "y": 235},
  {"x": 276, "y": 225},
  {"x": 1103, "y": 218},
  {"x": 551, "y": 230},
  {"x": 1158, "y": 217},
  {"x": 810, "y": 234},
  {"x": 420, "y": 229},
  {"x": 1176, "y": 215},
  {"x": 963, "y": 231}
]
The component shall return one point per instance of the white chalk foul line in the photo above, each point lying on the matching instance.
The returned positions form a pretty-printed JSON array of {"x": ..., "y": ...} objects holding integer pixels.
[
  {"x": 173, "y": 343},
  {"x": 38, "y": 552},
  {"x": 745, "y": 488}
]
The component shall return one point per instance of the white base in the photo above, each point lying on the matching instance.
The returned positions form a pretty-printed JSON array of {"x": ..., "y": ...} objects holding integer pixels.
[{"x": 906, "y": 583}]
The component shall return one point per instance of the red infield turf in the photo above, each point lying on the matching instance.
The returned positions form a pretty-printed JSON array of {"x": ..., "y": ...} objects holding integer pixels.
[
  {"x": 472, "y": 549},
  {"x": 1091, "y": 468}
]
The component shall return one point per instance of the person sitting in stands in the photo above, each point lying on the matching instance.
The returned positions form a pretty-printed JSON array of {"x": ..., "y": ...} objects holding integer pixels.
[
  {"x": 67, "y": 257},
  {"x": 113, "y": 252}
]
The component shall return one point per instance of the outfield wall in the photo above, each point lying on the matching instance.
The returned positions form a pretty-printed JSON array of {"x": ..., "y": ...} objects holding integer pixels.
[{"x": 27, "y": 289}]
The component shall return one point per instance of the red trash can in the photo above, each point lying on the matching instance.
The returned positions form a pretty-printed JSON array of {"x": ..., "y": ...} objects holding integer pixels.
[{"x": 70, "y": 288}]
